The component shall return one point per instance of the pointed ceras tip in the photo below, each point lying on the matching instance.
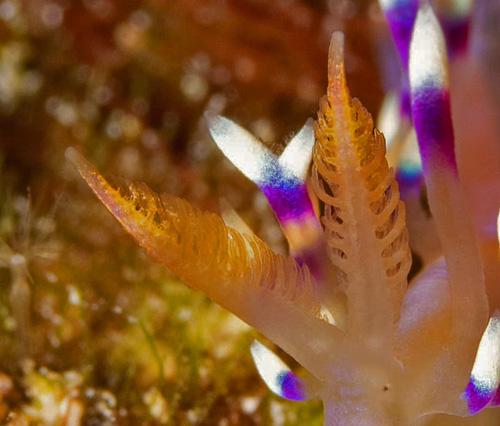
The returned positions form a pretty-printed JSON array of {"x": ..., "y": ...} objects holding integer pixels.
[
  {"x": 428, "y": 57},
  {"x": 485, "y": 376},
  {"x": 430, "y": 96},
  {"x": 71, "y": 154},
  {"x": 79, "y": 162},
  {"x": 240, "y": 146},
  {"x": 297, "y": 156},
  {"x": 276, "y": 374}
]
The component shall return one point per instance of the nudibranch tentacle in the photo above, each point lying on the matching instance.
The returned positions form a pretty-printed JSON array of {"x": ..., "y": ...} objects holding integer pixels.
[
  {"x": 364, "y": 219},
  {"x": 277, "y": 375},
  {"x": 485, "y": 376},
  {"x": 275, "y": 295},
  {"x": 400, "y": 15},
  {"x": 455, "y": 20},
  {"x": 432, "y": 118},
  {"x": 283, "y": 180},
  {"x": 409, "y": 172}
]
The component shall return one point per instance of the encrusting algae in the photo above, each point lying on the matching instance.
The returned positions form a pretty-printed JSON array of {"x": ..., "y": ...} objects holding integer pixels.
[{"x": 376, "y": 350}]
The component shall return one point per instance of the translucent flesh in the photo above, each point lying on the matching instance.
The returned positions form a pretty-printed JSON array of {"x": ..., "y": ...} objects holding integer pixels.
[
  {"x": 464, "y": 287},
  {"x": 274, "y": 294},
  {"x": 364, "y": 219}
]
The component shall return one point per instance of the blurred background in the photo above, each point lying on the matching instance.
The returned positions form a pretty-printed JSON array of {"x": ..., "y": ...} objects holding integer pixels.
[{"x": 91, "y": 331}]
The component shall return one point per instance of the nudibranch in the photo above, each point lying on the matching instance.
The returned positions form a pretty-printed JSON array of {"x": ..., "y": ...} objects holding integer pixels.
[{"x": 377, "y": 350}]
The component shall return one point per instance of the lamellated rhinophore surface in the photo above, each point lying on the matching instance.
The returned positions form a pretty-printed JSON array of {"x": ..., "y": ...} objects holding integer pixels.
[{"x": 364, "y": 219}]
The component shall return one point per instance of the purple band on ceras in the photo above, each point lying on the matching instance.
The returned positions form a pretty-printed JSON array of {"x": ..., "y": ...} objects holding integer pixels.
[
  {"x": 429, "y": 81},
  {"x": 277, "y": 375},
  {"x": 292, "y": 387},
  {"x": 482, "y": 389},
  {"x": 287, "y": 196},
  {"x": 477, "y": 396},
  {"x": 282, "y": 179},
  {"x": 432, "y": 120},
  {"x": 455, "y": 21},
  {"x": 456, "y": 31},
  {"x": 401, "y": 16},
  {"x": 409, "y": 178},
  {"x": 290, "y": 201},
  {"x": 495, "y": 401}
]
